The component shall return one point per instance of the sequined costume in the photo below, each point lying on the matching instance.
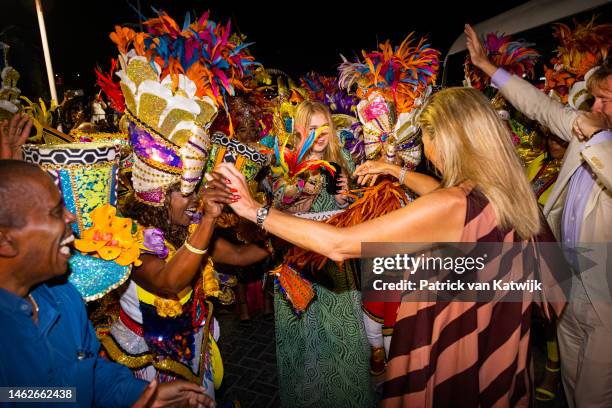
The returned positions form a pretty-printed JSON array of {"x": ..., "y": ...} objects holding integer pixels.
[
  {"x": 173, "y": 81},
  {"x": 162, "y": 338},
  {"x": 86, "y": 175},
  {"x": 543, "y": 172}
]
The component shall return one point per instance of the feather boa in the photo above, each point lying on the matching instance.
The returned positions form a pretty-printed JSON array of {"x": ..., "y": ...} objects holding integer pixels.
[{"x": 376, "y": 201}]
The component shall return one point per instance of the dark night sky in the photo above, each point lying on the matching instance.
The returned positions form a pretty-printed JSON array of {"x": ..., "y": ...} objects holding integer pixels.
[{"x": 295, "y": 37}]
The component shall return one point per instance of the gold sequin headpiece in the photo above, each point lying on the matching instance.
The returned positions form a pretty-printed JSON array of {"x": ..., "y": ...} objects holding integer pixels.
[{"x": 173, "y": 80}]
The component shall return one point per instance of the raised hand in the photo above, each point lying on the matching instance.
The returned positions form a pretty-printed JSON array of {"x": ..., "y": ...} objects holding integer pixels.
[
  {"x": 587, "y": 123},
  {"x": 13, "y": 135},
  {"x": 477, "y": 51},
  {"x": 216, "y": 194}
]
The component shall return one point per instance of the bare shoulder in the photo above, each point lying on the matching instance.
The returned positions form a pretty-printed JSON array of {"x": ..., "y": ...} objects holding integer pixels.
[
  {"x": 445, "y": 199},
  {"x": 442, "y": 214}
]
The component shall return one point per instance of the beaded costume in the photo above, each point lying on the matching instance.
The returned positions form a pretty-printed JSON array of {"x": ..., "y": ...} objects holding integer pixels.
[
  {"x": 173, "y": 80},
  {"x": 393, "y": 84}
]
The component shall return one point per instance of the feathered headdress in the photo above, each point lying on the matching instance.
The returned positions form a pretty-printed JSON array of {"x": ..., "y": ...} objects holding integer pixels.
[
  {"x": 515, "y": 57},
  {"x": 292, "y": 163},
  {"x": 110, "y": 87},
  {"x": 401, "y": 74},
  {"x": 289, "y": 97},
  {"x": 252, "y": 89},
  {"x": 42, "y": 119},
  {"x": 318, "y": 86},
  {"x": 579, "y": 50},
  {"x": 261, "y": 93},
  {"x": 173, "y": 80},
  {"x": 392, "y": 83},
  {"x": 201, "y": 50},
  {"x": 327, "y": 90}
]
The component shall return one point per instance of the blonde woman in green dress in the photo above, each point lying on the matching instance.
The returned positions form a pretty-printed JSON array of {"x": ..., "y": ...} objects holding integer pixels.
[{"x": 323, "y": 354}]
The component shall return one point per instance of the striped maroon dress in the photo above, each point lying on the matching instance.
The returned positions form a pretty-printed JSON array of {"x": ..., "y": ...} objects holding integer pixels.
[{"x": 462, "y": 354}]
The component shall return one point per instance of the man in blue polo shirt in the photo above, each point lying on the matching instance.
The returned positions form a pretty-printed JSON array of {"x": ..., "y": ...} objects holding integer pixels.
[{"x": 46, "y": 339}]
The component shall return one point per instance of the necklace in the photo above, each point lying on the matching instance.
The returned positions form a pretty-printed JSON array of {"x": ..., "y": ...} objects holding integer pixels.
[{"x": 33, "y": 303}]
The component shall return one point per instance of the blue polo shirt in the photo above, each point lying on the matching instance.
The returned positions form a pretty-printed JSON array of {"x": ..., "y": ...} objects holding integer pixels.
[{"x": 62, "y": 351}]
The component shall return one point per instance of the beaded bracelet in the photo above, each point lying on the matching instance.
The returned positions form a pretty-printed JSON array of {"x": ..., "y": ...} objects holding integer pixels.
[{"x": 402, "y": 175}]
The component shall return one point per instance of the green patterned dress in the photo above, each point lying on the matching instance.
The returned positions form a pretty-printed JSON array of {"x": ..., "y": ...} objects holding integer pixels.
[{"x": 323, "y": 355}]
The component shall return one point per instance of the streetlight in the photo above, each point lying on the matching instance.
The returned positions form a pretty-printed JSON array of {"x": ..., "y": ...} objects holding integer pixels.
[{"x": 45, "y": 44}]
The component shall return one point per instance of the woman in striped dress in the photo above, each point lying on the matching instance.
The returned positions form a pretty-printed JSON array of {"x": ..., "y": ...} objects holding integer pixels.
[{"x": 444, "y": 353}]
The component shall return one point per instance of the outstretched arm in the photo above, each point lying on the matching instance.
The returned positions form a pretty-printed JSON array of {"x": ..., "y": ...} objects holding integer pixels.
[
  {"x": 419, "y": 183},
  {"x": 521, "y": 94},
  {"x": 435, "y": 217}
]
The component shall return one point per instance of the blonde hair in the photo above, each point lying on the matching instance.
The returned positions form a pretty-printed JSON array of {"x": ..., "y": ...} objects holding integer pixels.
[
  {"x": 599, "y": 77},
  {"x": 473, "y": 144},
  {"x": 304, "y": 114}
]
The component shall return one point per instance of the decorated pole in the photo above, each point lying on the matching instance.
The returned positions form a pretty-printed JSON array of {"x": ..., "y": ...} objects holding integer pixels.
[{"x": 45, "y": 44}]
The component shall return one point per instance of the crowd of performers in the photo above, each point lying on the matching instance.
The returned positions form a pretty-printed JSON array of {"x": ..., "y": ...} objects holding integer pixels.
[{"x": 208, "y": 174}]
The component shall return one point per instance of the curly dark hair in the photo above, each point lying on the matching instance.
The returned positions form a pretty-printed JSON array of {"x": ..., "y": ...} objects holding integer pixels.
[{"x": 158, "y": 217}]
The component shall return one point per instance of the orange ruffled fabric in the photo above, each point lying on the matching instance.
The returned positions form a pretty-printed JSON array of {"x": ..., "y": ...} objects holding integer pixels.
[
  {"x": 376, "y": 201},
  {"x": 110, "y": 237}
]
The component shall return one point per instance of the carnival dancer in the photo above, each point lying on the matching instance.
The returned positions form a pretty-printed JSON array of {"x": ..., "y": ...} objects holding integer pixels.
[
  {"x": 173, "y": 80},
  {"x": 109, "y": 246},
  {"x": 247, "y": 112}
]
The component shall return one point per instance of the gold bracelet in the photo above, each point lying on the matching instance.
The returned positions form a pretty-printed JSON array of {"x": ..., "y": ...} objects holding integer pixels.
[{"x": 194, "y": 250}]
